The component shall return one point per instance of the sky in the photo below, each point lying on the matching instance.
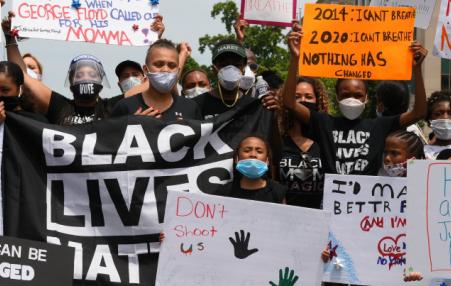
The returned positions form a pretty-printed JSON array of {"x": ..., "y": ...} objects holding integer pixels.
[{"x": 185, "y": 20}]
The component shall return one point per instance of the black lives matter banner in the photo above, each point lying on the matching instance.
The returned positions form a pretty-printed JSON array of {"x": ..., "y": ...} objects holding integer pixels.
[{"x": 101, "y": 188}]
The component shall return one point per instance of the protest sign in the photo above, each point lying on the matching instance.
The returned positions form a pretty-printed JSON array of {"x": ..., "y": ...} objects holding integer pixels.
[
  {"x": 101, "y": 188},
  {"x": 429, "y": 239},
  {"x": 367, "y": 232},
  {"x": 301, "y": 7},
  {"x": 25, "y": 262},
  {"x": 357, "y": 42},
  {"x": 213, "y": 240},
  {"x": 423, "y": 9},
  {"x": 124, "y": 23},
  {"x": 442, "y": 44},
  {"x": 268, "y": 12}
]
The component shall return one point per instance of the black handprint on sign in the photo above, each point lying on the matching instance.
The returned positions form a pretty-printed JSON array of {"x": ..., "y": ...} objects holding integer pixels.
[{"x": 240, "y": 245}]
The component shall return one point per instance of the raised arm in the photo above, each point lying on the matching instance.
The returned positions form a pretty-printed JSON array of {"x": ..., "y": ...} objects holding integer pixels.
[
  {"x": 40, "y": 93},
  {"x": 240, "y": 26},
  {"x": 289, "y": 94},
  {"x": 184, "y": 53},
  {"x": 419, "y": 109}
]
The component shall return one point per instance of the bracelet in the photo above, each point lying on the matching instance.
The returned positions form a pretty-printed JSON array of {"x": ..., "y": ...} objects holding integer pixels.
[{"x": 11, "y": 44}]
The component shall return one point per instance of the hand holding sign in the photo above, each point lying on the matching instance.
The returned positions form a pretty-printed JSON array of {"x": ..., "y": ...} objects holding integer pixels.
[
  {"x": 419, "y": 53},
  {"x": 241, "y": 244},
  {"x": 286, "y": 279},
  {"x": 240, "y": 26},
  {"x": 158, "y": 26}
]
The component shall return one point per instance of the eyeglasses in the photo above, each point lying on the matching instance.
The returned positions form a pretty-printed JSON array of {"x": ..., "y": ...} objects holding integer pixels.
[{"x": 253, "y": 66}]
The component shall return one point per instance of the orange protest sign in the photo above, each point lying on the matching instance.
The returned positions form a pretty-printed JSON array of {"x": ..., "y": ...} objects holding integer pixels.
[{"x": 357, "y": 42}]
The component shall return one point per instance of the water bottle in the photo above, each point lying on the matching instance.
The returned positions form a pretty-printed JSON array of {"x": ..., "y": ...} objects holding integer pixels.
[{"x": 261, "y": 87}]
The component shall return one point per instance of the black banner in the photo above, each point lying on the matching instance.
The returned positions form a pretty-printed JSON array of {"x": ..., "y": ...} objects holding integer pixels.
[{"x": 101, "y": 188}]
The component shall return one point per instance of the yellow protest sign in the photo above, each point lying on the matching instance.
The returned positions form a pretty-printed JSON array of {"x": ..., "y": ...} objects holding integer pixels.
[{"x": 357, "y": 42}]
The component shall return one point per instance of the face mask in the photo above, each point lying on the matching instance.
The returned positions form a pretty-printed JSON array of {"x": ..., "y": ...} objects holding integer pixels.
[
  {"x": 195, "y": 91},
  {"x": 351, "y": 108},
  {"x": 86, "y": 90},
  {"x": 396, "y": 170},
  {"x": 163, "y": 82},
  {"x": 248, "y": 79},
  {"x": 229, "y": 77},
  {"x": 252, "y": 168},
  {"x": 129, "y": 83},
  {"x": 33, "y": 74},
  {"x": 10, "y": 102},
  {"x": 442, "y": 128},
  {"x": 310, "y": 105}
]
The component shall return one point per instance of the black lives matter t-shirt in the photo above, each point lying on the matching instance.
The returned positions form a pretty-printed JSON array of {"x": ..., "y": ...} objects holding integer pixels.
[
  {"x": 211, "y": 106},
  {"x": 302, "y": 172},
  {"x": 63, "y": 111},
  {"x": 181, "y": 108},
  {"x": 351, "y": 146},
  {"x": 272, "y": 193}
]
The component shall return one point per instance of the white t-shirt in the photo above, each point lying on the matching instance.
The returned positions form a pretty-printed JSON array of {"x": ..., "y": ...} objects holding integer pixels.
[{"x": 431, "y": 151}]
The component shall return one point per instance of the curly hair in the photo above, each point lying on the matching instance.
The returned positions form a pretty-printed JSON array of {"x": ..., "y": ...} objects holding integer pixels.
[
  {"x": 286, "y": 118},
  {"x": 435, "y": 98}
]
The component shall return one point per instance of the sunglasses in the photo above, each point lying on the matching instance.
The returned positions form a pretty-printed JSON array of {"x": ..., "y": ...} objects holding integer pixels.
[{"x": 253, "y": 66}]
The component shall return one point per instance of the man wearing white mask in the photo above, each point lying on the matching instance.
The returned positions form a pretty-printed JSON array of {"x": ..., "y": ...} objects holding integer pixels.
[
  {"x": 161, "y": 68},
  {"x": 229, "y": 61},
  {"x": 350, "y": 144},
  {"x": 129, "y": 74}
]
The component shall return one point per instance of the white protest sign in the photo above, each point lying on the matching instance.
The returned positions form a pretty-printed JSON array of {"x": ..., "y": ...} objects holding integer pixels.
[
  {"x": 429, "y": 198},
  {"x": 442, "y": 42},
  {"x": 125, "y": 23},
  {"x": 424, "y": 9},
  {"x": 367, "y": 232},
  {"x": 213, "y": 240},
  {"x": 273, "y": 13}
]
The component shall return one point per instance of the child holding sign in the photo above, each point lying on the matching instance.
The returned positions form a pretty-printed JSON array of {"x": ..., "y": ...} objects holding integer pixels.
[{"x": 350, "y": 144}]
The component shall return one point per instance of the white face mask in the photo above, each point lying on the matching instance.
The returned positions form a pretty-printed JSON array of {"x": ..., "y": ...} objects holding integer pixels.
[
  {"x": 129, "y": 83},
  {"x": 351, "y": 108},
  {"x": 195, "y": 91},
  {"x": 34, "y": 74},
  {"x": 442, "y": 128},
  {"x": 163, "y": 82},
  {"x": 396, "y": 170},
  {"x": 229, "y": 77},
  {"x": 248, "y": 79}
]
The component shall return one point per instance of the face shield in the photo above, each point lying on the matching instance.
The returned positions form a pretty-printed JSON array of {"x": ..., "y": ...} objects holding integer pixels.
[{"x": 86, "y": 69}]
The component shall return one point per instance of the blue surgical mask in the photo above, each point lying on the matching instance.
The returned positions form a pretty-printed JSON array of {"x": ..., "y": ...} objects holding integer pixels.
[{"x": 252, "y": 168}]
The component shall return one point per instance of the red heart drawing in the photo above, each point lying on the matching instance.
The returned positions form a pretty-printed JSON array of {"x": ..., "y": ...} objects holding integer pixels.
[{"x": 388, "y": 246}]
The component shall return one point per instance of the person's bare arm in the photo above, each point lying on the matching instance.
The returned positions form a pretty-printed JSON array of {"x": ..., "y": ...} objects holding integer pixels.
[
  {"x": 40, "y": 93},
  {"x": 420, "y": 107},
  {"x": 289, "y": 94}
]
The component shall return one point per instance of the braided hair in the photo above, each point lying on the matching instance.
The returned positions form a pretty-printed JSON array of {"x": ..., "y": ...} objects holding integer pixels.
[
  {"x": 414, "y": 144},
  {"x": 435, "y": 98}
]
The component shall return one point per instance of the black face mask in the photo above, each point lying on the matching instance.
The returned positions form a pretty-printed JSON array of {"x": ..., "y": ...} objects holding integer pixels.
[
  {"x": 86, "y": 91},
  {"x": 311, "y": 106},
  {"x": 10, "y": 102}
]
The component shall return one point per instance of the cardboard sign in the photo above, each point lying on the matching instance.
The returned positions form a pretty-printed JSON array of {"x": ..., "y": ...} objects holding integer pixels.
[
  {"x": 368, "y": 229},
  {"x": 429, "y": 238},
  {"x": 442, "y": 43},
  {"x": 424, "y": 9},
  {"x": 357, "y": 42},
  {"x": 32, "y": 263},
  {"x": 265, "y": 12},
  {"x": 124, "y": 23},
  {"x": 212, "y": 240}
]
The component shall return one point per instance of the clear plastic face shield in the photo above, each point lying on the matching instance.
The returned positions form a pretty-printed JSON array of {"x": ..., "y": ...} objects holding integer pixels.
[{"x": 86, "y": 69}]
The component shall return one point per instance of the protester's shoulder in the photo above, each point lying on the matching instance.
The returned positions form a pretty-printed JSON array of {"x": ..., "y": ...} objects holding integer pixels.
[
  {"x": 126, "y": 105},
  {"x": 111, "y": 101},
  {"x": 388, "y": 122},
  {"x": 57, "y": 98},
  {"x": 202, "y": 97}
]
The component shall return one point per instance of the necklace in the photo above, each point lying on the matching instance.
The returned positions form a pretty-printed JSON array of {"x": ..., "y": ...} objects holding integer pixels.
[{"x": 234, "y": 102}]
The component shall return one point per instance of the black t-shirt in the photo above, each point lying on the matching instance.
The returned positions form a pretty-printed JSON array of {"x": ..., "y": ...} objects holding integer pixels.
[
  {"x": 181, "y": 108},
  {"x": 351, "y": 146},
  {"x": 302, "y": 172},
  {"x": 211, "y": 106},
  {"x": 63, "y": 111},
  {"x": 272, "y": 193}
]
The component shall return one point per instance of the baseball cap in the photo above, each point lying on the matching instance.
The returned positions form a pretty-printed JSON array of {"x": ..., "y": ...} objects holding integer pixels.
[
  {"x": 125, "y": 64},
  {"x": 228, "y": 48}
]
